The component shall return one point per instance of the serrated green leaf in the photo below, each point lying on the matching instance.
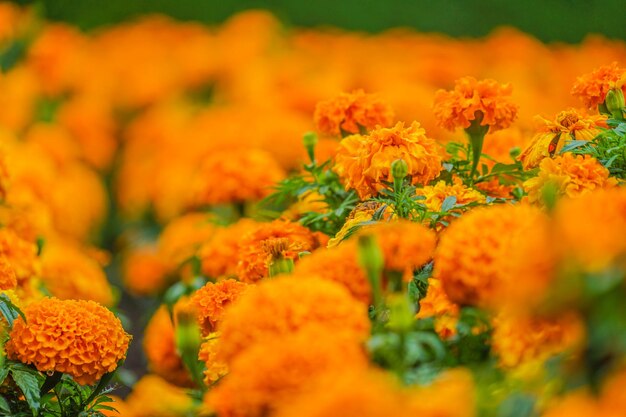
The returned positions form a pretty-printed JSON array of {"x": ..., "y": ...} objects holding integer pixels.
[{"x": 28, "y": 383}]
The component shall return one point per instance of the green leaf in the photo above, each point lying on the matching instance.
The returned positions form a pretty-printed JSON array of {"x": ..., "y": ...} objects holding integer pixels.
[
  {"x": 5, "y": 410},
  {"x": 573, "y": 144},
  {"x": 26, "y": 380},
  {"x": 448, "y": 203}
]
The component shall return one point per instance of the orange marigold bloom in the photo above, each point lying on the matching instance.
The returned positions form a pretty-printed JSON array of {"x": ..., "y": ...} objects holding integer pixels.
[
  {"x": 20, "y": 254},
  {"x": 495, "y": 257},
  {"x": 214, "y": 367},
  {"x": 589, "y": 230},
  {"x": 592, "y": 88},
  {"x": 437, "y": 304},
  {"x": 144, "y": 272},
  {"x": 338, "y": 264},
  {"x": 364, "y": 162},
  {"x": 518, "y": 340},
  {"x": 571, "y": 175},
  {"x": 452, "y": 394},
  {"x": 235, "y": 175},
  {"x": 159, "y": 344},
  {"x": 152, "y": 396},
  {"x": 69, "y": 273},
  {"x": 352, "y": 112},
  {"x": 351, "y": 393},
  {"x": 254, "y": 249},
  {"x": 4, "y": 178},
  {"x": 8, "y": 280},
  {"x": 493, "y": 188},
  {"x": 121, "y": 409},
  {"x": 273, "y": 371},
  {"x": 552, "y": 135},
  {"x": 436, "y": 194},
  {"x": 220, "y": 255},
  {"x": 212, "y": 300},
  {"x": 458, "y": 108},
  {"x": 182, "y": 237},
  {"x": 77, "y": 337},
  {"x": 319, "y": 301}
]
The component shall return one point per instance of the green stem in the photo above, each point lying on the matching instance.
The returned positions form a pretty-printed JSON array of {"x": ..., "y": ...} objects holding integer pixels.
[{"x": 476, "y": 133}]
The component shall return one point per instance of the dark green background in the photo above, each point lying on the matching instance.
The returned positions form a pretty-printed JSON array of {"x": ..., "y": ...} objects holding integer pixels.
[{"x": 549, "y": 20}]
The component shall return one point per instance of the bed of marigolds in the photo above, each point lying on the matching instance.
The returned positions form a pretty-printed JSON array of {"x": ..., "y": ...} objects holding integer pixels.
[{"x": 304, "y": 246}]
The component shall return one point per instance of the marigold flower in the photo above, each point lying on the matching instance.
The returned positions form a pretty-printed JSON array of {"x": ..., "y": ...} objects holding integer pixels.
[
  {"x": 20, "y": 254},
  {"x": 308, "y": 202},
  {"x": 494, "y": 188},
  {"x": 212, "y": 300},
  {"x": 552, "y": 135},
  {"x": 319, "y": 301},
  {"x": 152, "y": 396},
  {"x": 437, "y": 193},
  {"x": 589, "y": 230},
  {"x": 364, "y": 162},
  {"x": 254, "y": 249},
  {"x": 159, "y": 344},
  {"x": 437, "y": 304},
  {"x": 363, "y": 212},
  {"x": 458, "y": 108},
  {"x": 592, "y": 88},
  {"x": 496, "y": 257},
  {"x": 352, "y": 112},
  {"x": 77, "y": 337},
  {"x": 452, "y": 394},
  {"x": 274, "y": 370},
  {"x": 214, "y": 367},
  {"x": 69, "y": 273},
  {"x": 144, "y": 273},
  {"x": 234, "y": 176},
  {"x": 570, "y": 175},
  {"x": 8, "y": 280},
  {"x": 182, "y": 237},
  {"x": 121, "y": 409},
  {"x": 338, "y": 264},
  {"x": 4, "y": 178},
  {"x": 518, "y": 340},
  {"x": 220, "y": 255}
]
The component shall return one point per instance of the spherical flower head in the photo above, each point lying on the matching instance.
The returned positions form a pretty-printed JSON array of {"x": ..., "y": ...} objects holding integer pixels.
[
  {"x": 519, "y": 340},
  {"x": 271, "y": 372},
  {"x": 592, "y": 88},
  {"x": 289, "y": 304},
  {"x": 214, "y": 367},
  {"x": 437, "y": 304},
  {"x": 338, "y": 264},
  {"x": 212, "y": 300},
  {"x": 220, "y": 255},
  {"x": 80, "y": 338},
  {"x": 235, "y": 176},
  {"x": 69, "y": 273},
  {"x": 568, "y": 175},
  {"x": 355, "y": 393},
  {"x": 459, "y": 107},
  {"x": 144, "y": 273},
  {"x": 553, "y": 134},
  {"x": 153, "y": 396},
  {"x": 597, "y": 242},
  {"x": 364, "y": 162},
  {"x": 8, "y": 280},
  {"x": 496, "y": 257},
  {"x": 255, "y": 250},
  {"x": 159, "y": 345},
  {"x": 182, "y": 237},
  {"x": 351, "y": 113}
]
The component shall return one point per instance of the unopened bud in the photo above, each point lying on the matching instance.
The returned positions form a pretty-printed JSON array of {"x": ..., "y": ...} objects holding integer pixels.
[
  {"x": 401, "y": 312},
  {"x": 614, "y": 102},
  {"x": 399, "y": 169},
  {"x": 310, "y": 141}
]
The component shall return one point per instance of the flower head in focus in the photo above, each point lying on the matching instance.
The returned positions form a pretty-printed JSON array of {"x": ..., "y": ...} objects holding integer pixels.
[
  {"x": 592, "y": 88},
  {"x": 212, "y": 299}
]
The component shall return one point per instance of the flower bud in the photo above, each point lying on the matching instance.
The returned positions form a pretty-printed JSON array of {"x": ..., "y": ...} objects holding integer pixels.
[
  {"x": 310, "y": 141},
  {"x": 614, "y": 102},
  {"x": 399, "y": 169}
]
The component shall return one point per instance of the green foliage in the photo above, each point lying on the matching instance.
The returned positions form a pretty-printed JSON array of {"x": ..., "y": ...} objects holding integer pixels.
[
  {"x": 9, "y": 311},
  {"x": 609, "y": 148}
]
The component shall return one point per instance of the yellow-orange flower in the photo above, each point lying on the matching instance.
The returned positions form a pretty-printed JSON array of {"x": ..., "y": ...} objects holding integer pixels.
[
  {"x": 159, "y": 344},
  {"x": 76, "y": 337},
  {"x": 592, "y": 88},
  {"x": 212, "y": 300},
  {"x": 496, "y": 257},
  {"x": 220, "y": 255},
  {"x": 272, "y": 371},
  {"x": 437, "y": 193},
  {"x": 254, "y": 248},
  {"x": 182, "y": 237},
  {"x": 458, "y": 108},
  {"x": 20, "y": 254},
  {"x": 451, "y": 394},
  {"x": 214, "y": 367},
  {"x": 235, "y": 175},
  {"x": 318, "y": 302},
  {"x": 570, "y": 175},
  {"x": 121, "y": 409},
  {"x": 552, "y": 135},
  {"x": 69, "y": 273},
  {"x": 352, "y": 112},
  {"x": 363, "y": 212},
  {"x": 144, "y": 273},
  {"x": 518, "y": 340},
  {"x": 364, "y": 162},
  {"x": 4, "y": 178},
  {"x": 338, "y": 264},
  {"x": 8, "y": 280},
  {"x": 437, "y": 304},
  {"x": 152, "y": 396}
]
